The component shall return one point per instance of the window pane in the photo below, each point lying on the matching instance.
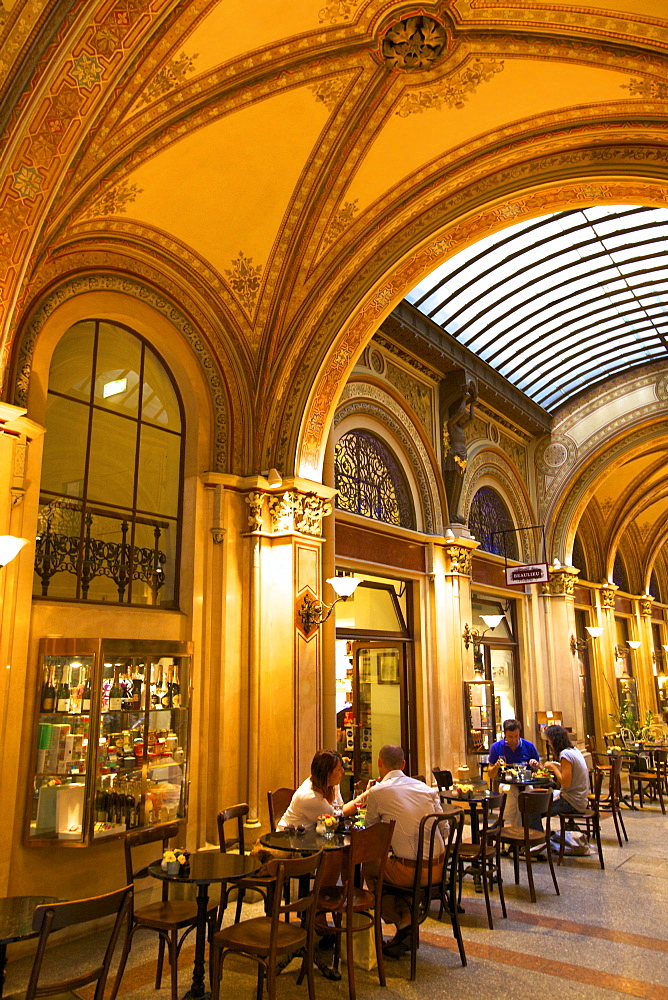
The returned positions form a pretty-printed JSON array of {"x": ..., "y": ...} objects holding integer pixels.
[
  {"x": 105, "y": 573},
  {"x": 72, "y": 361},
  {"x": 159, "y": 457},
  {"x": 57, "y": 549},
  {"x": 153, "y": 571},
  {"x": 117, "y": 370},
  {"x": 64, "y": 459},
  {"x": 111, "y": 472},
  {"x": 159, "y": 403}
]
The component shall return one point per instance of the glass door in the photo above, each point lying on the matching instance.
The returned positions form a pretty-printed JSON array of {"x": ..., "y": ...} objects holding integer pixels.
[{"x": 378, "y": 713}]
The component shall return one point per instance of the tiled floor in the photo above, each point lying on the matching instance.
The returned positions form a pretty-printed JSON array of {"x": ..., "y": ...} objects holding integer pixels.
[{"x": 604, "y": 937}]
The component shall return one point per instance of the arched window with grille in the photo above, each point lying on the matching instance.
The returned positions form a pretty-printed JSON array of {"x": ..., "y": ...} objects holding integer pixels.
[
  {"x": 578, "y": 559},
  {"x": 488, "y": 516},
  {"x": 111, "y": 486},
  {"x": 370, "y": 480},
  {"x": 654, "y": 588},
  {"x": 619, "y": 575}
]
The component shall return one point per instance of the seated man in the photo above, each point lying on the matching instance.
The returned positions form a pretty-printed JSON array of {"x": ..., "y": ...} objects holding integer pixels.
[
  {"x": 405, "y": 800},
  {"x": 511, "y": 750}
]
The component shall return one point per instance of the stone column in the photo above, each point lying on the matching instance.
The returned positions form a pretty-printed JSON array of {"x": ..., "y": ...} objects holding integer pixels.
[
  {"x": 643, "y": 658},
  {"x": 563, "y": 687}
]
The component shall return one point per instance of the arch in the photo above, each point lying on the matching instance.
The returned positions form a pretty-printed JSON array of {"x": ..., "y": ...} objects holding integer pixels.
[
  {"x": 365, "y": 399},
  {"x": 490, "y": 467},
  {"x": 361, "y": 457},
  {"x": 488, "y": 514}
]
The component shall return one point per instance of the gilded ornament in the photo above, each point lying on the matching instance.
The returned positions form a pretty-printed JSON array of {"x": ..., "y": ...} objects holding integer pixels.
[
  {"x": 415, "y": 43},
  {"x": 453, "y": 92},
  {"x": 608, "y": 598},
  {"x": 459, "y": 559},
  {"x": 645, "y": 605},
  {"x": 309, "y": 511},
  {"x": 255, "y": 502},
  {"x": 244, "y": 279},
  {"x": 281, "y": 512}
]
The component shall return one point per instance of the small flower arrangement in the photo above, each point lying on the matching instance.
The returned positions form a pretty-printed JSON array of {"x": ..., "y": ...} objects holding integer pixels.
[
  {"x": 328, "y": 821},
  {"x": 172, "y": 861},
  {"x": 464, "y": 791}
]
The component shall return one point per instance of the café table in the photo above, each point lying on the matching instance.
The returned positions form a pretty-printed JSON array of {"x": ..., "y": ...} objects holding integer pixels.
[
  {"x": 206, "y": 868},
  {"x": 16, "y": 916},
  {"x": 305, "y": 843},
  {"x": 512, "y": 786}
]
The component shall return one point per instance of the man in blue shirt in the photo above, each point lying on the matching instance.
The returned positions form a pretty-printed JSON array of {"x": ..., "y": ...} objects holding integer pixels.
[{"x": 511, "y": 750}]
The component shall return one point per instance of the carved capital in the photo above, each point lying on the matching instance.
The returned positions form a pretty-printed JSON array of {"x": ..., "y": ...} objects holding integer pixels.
[
  {"x": 303, "y": 512},
  {"x": 645, "y": 604},
  {"x": 561, "y": 582},
  {"x": 255, "y": 503},
  {"x": 608, "y": 596},
  {"x": 458, "y": 556}
]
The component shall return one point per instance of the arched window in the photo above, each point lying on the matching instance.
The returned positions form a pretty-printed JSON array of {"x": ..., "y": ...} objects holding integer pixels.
[
  {"x": 578, "y": 558},
  {"x": 487, "y": 517},
  {"x": 112, "y": 472},
  {"x": 370, "y": 480},
  {"x": 654, "y": 588},
  {"x": 619, "y": 574}
]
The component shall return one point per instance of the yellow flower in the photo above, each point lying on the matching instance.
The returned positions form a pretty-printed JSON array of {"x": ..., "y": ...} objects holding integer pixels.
[{"x": 169, "y": 856}]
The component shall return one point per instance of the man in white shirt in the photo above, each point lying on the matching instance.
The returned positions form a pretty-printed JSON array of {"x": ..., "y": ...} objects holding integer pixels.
[{"x": 406, "y": 801}]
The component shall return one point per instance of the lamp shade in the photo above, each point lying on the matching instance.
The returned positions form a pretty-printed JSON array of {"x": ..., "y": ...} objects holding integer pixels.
[
  {"x": 491, "y": 621},
  {"x": 634, "y": 643},
  {"x": 343, "y": 586},
  {"x": 10, "y": 546},
  {"x": 594, "y": 630},
  {"x": 274, "y": 479}
]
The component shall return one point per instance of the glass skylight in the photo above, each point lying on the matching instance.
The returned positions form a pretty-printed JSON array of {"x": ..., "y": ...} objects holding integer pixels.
[{"x": 559, "y": 303}]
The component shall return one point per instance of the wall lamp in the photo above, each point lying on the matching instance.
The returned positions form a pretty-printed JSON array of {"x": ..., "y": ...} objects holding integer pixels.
[
  {"x": 579, "y": 645},
  {"x": 474, "y": 635},
  {"x": 312, "y": 613},
  {"x": 10, "y": 546}
]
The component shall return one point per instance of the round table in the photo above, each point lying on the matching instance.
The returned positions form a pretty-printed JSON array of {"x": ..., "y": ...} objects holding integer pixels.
[
  {"x": 309, "y": 842},
  {"x": 16, "y": 916},
  {"x": 206, "y": 868}
]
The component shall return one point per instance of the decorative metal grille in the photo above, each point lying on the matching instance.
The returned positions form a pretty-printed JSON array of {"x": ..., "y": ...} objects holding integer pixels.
[
  {"x": 370, "y": 481},
  {"x": 654, "y": 588},
  {"x": 619, "y": 574},
  {"x": 578, "y": 557},
  {"x": 488, "y": 514}
]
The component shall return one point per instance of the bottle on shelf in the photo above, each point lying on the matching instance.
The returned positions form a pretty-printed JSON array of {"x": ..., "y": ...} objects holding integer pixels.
[
  {"x": 63, "y": 694},
  {"x": 136, "y": 697},
  {"x": 167, "y": 695},
  {"x": 48, "y": 697},
  {"x": 115, "y": 696},
  {"x": 176, "y": 688},
  {"x": 85, "y": 697}
]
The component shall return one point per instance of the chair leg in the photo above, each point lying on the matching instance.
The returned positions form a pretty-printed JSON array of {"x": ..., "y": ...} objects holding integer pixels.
[
  {"x": 552, "y": 871},
  {"x": 562, "y": 838},
  {"x": 516, "y": 862},
  {"x": 660, "y": 794},
  {"x": 621, "y": 820},
  {"x": 527, "y": 861},
  {"x": 597, "y": 835},
  {"x": 499, "y": 880},
  {"x": 349, "y": 959},
  {"x": 485, "y": 889},
  {"x": 454, "y": 914},
  {"x": 270, "y": 973},
  {"x": 173, "y": 961},
  {"x": 216, "y": 971},
  {"x": 127, "y": 945},
  {"x": 336, "y": 917},
  {"x": 161, "y": 959},
  {"x": 240, "y": 900},
  {"x": 415, "y": 944},
  {"x": 378, "y": 940}
]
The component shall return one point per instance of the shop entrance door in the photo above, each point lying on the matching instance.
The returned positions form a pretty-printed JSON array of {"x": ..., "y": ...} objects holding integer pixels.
[{"x": 380, "y": 706}]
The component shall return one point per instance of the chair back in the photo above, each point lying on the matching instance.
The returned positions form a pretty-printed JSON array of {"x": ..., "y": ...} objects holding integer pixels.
[
  {"x": 161, "y": 834},
  {"x": 419, "y": 777},
  {"x": 596, "y": 786},
  {"x": 54, "y": 916},
  {"x": 309, "y": 868},
  {"x": 239, "y": 813},
  {"x": 535, "y": 803},
  {"x": 450, "y": 826},
  {"x": 492, "y": 824},
  {"x": 370, "y": 844},
  {"x": 443, "y": 779},
  {"x": 278, "y": 802}
]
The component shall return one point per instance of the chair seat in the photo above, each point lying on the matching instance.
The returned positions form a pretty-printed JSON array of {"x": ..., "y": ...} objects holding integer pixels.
[
  {"x": 469, "y": 852},
  {"x": 333, "y": 897},
  {"x": 253, "y": 935},
  {"x": 168, "y": 913},
  {"x": 587, "y": 814},
  {"x": 643, "y": 775},
  {"x": 513, "y": 833},
  {"x": 54, "y": 996}
]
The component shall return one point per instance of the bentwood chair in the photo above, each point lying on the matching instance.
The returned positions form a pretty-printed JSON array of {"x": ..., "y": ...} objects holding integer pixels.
[
  {"x": 278, "y": 802},
  {"x": 354, "y": 909},
  {"x": 419, "y": 896},
  {"x": 443, "y": 779},
  {"x": 237, "y": 844},
  {"x": 484, "y": 858},
  {"x": 588, "y": 822},
  {"x": 534, "y": 803},
  {"x": 652, "y": 780},
  {"x": 264, "y": 939},
  {"x": 54, "y": 916},
  {"x": 166, "y": 917},
  {"x": 610, "y": 802}
]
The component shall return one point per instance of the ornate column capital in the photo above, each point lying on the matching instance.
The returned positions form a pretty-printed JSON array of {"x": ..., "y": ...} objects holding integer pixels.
[
  {"x": 561, "y": 582},
  {"x": 458, "y": 552},
  {"x": 608, "y": 591},
  {"x": 645, "y": 602},
  {"x": 302, "y": 512}
]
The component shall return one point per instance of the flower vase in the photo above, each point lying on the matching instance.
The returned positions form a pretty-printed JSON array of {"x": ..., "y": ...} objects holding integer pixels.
[
  {"x": 173, "y": 867},
  {"x": 321, "y": 829}
]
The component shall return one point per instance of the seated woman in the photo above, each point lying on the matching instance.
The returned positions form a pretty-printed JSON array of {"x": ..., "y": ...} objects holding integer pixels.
[
  {"x": 570, "y": 771},
  {"x": 319, "y": 794}
]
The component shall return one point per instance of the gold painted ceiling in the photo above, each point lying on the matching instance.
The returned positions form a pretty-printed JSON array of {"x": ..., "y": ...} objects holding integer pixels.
[{"x": 285, "y": 170}]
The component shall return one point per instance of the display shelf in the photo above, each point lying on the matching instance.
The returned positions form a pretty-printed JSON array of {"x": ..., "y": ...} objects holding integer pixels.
[
  {"x": 479, "y": 716},
  {"x": 111, "y": 737}
]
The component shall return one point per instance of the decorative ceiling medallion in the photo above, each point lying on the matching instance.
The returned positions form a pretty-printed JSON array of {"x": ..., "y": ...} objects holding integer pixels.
[{"x": 415, "y": 43}]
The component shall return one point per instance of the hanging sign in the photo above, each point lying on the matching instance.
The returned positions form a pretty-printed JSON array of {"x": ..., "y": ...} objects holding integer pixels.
[{"x": 518, "y": 576}]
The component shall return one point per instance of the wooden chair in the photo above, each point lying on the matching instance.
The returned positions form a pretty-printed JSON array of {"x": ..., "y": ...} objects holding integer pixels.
[
  {"x": 263, "y": 939},
  {"x": 443, "y": 779},
  {"x": 419, "y": 897},
  {"x": 258, "y": 883},
  {"x": 54, "y": 916},
  {"x": 484, "y": 858},
  {"x": 535, "y": 803},
  {"x": 588, "y": 822},
  {"x": 166, "y": 917},
  {"x": 349, "y": 904},
  {"x": 419, "y": 777},
  {"x": 278, "y": 802},
  {"x": 610, "y": 802},
  {"x": 652, "y": 780}
]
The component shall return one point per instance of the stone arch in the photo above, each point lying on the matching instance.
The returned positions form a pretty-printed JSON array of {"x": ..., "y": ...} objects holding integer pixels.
[
  {"x": 366, "y": 399},
  {"x": 491, "y": 468}
]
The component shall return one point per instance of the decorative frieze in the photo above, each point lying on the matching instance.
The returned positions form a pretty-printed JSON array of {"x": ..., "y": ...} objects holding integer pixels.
[
  {"x": 255, "y": 503},
  {"x": 292, "y": 511}
]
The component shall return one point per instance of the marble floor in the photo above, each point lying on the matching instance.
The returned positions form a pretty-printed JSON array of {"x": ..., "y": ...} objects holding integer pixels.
[{"x": 605, "y": 937}]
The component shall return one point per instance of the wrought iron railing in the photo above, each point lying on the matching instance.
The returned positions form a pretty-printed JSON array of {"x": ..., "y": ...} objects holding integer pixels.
[{"x": 90, "y": 558}]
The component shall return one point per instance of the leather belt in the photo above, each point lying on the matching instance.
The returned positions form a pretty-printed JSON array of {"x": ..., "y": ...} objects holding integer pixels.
[{"x": 412, "y": 862}]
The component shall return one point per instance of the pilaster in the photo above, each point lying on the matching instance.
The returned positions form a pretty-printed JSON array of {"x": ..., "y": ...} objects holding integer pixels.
[{"x": 563, "y": 665}]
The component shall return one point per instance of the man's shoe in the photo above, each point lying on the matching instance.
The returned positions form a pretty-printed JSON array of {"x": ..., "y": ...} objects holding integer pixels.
[
  {"x": 326, "y": 942},
  {"x": 399, "y": 944}
]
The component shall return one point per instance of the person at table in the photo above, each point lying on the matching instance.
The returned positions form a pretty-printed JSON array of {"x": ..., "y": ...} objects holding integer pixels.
[
  {"x": 570, "y": 770},
  {"x": 512, "y": 750},
  {"x": 405, "y": 800},
  {"x": 318, "y": 794}
]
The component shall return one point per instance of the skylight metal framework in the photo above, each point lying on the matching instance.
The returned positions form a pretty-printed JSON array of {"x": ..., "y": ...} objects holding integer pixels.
[{"x": 559, "y": 303}]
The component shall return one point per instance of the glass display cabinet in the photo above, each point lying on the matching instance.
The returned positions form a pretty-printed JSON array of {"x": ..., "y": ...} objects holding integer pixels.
[
  {"x": 110, "y": 742},
  {"x": 479, "y": 716}
]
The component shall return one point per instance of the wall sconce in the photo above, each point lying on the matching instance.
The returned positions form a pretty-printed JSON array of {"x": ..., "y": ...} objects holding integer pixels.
[
  {"x": 312, "y": 613},
  {"x": 579, "y": 645},
  {"x": 474, "y": 635},
  {"x": 274, "y": 479},
  {"x": 10, "y": 546}
]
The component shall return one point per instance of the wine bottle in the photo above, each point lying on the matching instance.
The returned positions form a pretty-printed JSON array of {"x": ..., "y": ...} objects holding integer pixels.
[
  {"x": 176, "y": 689},
  {"x": 115, "y": 696},
  {"x": 136, "y": 693},
  {"x": 48, "y": 699},
  {"x": 166, "y": 700},
  {"x": 63, "y": 695},
  {"x": 85, "y": 697}
]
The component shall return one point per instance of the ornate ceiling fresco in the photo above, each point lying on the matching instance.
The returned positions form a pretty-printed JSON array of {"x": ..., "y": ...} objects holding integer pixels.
[{"x": 286, "y": 170}]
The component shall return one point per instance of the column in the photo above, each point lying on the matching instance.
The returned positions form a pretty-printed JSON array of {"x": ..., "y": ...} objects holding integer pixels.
[{"x": 563, "y": 687}]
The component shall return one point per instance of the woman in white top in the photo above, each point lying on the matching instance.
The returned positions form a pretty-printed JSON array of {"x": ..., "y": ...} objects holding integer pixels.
[
  {"x": 571, "y": 772},
  {"x": 319, "y": 794}
]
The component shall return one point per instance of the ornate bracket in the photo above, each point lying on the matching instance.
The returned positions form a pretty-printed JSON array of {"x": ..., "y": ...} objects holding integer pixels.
[{"x": 608, "y": 596}]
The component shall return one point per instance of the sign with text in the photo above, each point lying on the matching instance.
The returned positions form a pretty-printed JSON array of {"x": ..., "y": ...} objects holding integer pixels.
[{"x": 518, "y": 576}]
